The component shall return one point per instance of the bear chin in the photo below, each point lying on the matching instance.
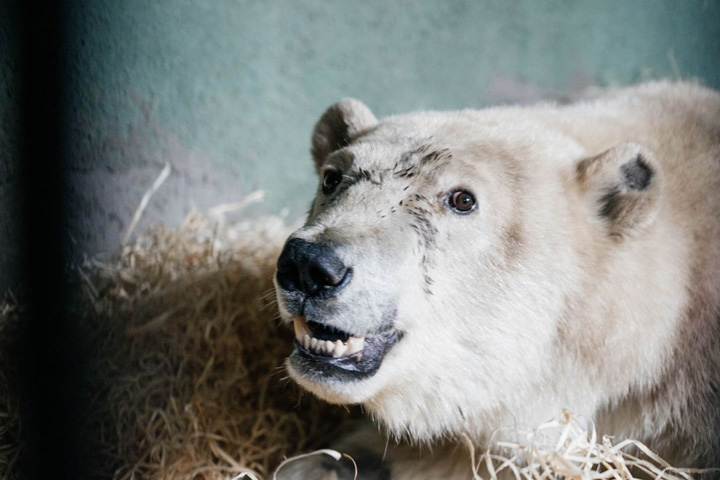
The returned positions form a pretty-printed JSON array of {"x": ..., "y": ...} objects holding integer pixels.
[{"x": 332, "y": 389}]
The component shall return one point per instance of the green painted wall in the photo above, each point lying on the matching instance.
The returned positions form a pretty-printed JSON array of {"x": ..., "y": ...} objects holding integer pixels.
[{"x": 227, "y": 91}]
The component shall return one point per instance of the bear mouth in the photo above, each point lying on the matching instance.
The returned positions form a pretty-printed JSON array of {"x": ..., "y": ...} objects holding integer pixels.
[{"x": 323, "y": 352}]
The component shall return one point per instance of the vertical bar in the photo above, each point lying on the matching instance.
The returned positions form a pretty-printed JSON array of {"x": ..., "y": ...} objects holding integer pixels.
[{"x": 50, "y": 367}]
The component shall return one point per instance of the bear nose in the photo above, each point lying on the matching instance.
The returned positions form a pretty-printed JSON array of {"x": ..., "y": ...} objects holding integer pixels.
[{"x": 311, "y": 268}]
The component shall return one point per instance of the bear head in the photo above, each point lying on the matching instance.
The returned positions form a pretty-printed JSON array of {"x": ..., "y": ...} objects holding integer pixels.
[{"x": 432, "y": 279}]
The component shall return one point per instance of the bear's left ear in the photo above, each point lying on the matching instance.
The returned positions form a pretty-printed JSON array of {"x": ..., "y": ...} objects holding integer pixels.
[
  {"x": 624, "y": 186},
  {"x": 339, "y": 126}
]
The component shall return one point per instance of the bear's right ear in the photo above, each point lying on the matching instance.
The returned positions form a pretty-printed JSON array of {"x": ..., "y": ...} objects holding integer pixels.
[
  {"x": 338, "y": 126},
  {"x": 624, "y": 188}
]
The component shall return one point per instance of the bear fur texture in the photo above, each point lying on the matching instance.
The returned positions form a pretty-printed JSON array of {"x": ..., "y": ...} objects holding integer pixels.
[{"x": 504, "y": 264}]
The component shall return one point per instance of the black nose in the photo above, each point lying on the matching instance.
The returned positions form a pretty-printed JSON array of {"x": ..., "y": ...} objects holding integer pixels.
[{"x": 311, "y": 268}]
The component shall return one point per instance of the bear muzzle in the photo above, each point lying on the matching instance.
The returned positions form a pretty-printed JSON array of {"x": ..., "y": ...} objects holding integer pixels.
[{"x": 311, "y": 269}]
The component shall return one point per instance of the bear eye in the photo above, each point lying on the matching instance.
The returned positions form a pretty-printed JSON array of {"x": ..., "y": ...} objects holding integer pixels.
[
  {"x": 331, "y": 179},
  {"x": 461, "y": 201}
]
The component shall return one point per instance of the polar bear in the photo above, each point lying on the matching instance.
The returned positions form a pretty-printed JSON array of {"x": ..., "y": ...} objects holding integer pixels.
[{"x": 464, "y": 271}]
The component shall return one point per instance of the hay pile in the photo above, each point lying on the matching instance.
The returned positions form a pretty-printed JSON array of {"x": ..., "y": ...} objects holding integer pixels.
[
  {"x": 185, "y": 377},
  {"x": 570, "y": 448},
  {"x": 198, "y": 390},
  {"x": 185, "y": 357}
]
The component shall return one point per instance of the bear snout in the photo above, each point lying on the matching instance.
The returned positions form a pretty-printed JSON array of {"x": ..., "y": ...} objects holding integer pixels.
[{"x": 311, "y": 269}]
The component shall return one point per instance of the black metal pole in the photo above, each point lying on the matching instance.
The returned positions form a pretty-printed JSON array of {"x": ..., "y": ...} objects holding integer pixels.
[{"x": 49, "y": 363}]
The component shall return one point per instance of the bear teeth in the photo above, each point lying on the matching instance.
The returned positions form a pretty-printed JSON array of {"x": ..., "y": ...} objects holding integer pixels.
[{"x": 335, "y": 349}]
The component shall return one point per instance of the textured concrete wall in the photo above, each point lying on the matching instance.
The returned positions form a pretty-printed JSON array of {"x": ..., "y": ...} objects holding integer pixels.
[{"x": 227, "y": 91}]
